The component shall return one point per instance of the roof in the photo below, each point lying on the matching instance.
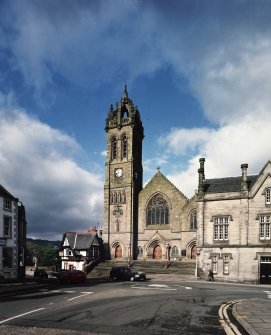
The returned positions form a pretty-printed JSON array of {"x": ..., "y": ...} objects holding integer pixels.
[
  {"x": 80, "y": 241},
  {"x": 5, "y": 193},
  {"x": 231, "y": 184}
]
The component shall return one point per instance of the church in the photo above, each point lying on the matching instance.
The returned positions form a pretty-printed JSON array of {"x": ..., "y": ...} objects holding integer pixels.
[
  {"x": 225, "y": 227},
  {"x": 155, "y": 222}
]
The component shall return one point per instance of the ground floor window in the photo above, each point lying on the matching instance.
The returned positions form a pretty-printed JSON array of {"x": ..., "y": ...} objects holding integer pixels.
[
  {"x": 8, "y": 257},
  {"x": 214, "y": 263},
  {"x": 226, "y": 263}
]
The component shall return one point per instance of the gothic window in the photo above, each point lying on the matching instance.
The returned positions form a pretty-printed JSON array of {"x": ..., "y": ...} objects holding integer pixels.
[
  {"x": 124, "y": 146},
  {"x": 119, "y": 197},
  {"x": 117, "y": 225},
  {"x": 268, "y": 196},
  {"x": 221, "y": 228},
  {"x": 265, "y": 222},
  {"x": 157, "y": 211},
  {"x": 111, "y": 198},
  {"x": 114, "y": 148},
  {"x": 193, "y": 219}
]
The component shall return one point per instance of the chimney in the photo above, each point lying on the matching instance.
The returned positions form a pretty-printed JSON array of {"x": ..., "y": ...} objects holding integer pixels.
[
  {"x": 244, "y": 184},
  {"x": 201, "y": 175}
]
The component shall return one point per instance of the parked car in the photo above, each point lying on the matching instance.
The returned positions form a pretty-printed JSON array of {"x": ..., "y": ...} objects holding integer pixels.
[
  {"x": 40, "y": 273},
  {"x": 126, "y": 273},
  {"x": 71, "y": 276}
]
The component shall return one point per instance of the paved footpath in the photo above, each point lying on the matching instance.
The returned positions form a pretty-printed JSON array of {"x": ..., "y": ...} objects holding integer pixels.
[{"x": 254, "y": 315}]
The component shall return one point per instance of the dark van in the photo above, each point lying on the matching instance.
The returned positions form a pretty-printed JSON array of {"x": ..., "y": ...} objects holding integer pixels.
[{"x": 126, "y": 273}]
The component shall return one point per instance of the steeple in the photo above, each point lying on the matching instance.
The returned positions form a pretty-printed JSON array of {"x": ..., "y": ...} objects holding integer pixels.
[{"x": 124, "y": 113}]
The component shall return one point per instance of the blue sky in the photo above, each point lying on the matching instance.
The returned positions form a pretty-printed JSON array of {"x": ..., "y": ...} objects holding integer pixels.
[{"x": 198, "y": 70}]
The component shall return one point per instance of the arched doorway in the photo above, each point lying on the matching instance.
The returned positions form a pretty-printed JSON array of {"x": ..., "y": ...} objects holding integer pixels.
[
  {"x": 193, "y": 252},
  {"x": 157, "y": 252},
  {"x": 118, "y": 252}
]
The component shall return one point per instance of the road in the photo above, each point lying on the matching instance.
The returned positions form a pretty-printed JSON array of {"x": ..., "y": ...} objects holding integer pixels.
[{"x": 130, "y": 308}]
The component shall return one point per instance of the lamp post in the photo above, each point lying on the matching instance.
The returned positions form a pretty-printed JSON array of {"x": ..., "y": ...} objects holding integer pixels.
[
  {"x": 167, "y": 255},
  {"x": 128, "y": 252}
]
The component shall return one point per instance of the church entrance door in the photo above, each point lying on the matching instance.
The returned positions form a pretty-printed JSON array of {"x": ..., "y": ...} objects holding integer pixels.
[
  {"x": 157, "y": 252},
  {"x": 118, "y": 252},
  {"x": 193, "y": 252}
]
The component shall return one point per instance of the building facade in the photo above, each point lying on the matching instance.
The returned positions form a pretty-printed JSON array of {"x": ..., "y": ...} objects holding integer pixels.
[
  {"x": 12, "y": 236},
  {"x": 234, "y": 218},
  {"x": 155, "y": 222},
  {"x": 80, "y": 250}
]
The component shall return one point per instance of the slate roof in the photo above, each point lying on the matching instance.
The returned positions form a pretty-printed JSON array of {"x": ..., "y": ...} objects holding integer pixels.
[
  {"x": 80, "y": 241},
  {"x": 5, "y": 193},
  {"x": 231, "y": 184}
]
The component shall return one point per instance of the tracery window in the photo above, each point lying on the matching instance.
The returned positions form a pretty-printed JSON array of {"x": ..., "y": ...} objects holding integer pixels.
[
  {"x": 124, "y": 146},
  {"x": 114, "y": 148},
  {"x": 193, "y": 219},
  {"x": 157, "y": 211}
]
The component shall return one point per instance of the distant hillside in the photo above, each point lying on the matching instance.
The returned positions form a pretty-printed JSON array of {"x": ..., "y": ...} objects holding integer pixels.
[{"x": 43, "y": 243}]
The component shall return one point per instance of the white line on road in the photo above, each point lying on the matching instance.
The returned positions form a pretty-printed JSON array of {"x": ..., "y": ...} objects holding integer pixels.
[
  {"x": 153, "y": 288},
  {"x": 186, "y": 287},
  {"x": 20, "y": 315},
  {"x": 268, "y": 294},
  {"x": 80, "y": 296}
]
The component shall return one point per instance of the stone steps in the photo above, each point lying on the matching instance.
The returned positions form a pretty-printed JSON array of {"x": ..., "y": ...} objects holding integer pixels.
[{"x": 149, "y": 267}]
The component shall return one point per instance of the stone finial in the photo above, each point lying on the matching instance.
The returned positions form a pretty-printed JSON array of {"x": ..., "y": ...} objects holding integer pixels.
[{"x": 244, "y": 184}]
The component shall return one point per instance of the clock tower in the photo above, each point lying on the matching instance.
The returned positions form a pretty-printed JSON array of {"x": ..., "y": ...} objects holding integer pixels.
[{"x": 123, "y": 179}]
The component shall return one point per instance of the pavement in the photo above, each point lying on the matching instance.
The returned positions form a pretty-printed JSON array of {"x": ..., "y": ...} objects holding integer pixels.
[{"x": 254, "y": 315}]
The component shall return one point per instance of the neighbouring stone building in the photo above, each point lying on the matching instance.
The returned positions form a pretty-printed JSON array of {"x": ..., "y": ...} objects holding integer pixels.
[
  {"x": 12, "y": 236},
  {"x": 155, "y": 222},
  {"x": 234, "y": 218}
]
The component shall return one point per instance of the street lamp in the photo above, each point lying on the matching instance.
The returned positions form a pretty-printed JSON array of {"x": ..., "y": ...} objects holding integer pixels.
[
  {"x": 128, "y": 251},
  {"x": 167, "y": 255}
]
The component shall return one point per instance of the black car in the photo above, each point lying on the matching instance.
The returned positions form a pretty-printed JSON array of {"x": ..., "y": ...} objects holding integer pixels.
[
  {"x": 40, "y": 273},
  {"x": 126, "y": 273}
]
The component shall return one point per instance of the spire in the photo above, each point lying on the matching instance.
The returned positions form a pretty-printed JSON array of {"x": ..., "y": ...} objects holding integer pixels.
[{"x": 125, "y": 93}]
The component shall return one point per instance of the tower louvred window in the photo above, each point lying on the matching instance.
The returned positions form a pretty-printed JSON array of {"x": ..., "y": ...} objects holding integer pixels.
[
  {"x": 124, "y": 146},
  {"x": 114, "y": 148}
]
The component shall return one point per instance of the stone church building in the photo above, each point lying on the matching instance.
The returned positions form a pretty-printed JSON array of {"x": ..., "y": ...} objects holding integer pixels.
[
  {"x": 155, "y": 222},
  {"x": 226, "y": 227}
]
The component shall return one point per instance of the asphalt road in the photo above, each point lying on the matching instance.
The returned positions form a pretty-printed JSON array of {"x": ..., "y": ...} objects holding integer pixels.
[{"x": 151, "y": 307}]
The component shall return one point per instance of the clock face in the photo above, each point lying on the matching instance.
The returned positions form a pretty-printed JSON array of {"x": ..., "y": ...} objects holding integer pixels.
[{"x": 118, "y": 173}]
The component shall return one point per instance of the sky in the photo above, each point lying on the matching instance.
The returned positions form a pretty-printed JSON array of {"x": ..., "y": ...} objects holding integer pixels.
[{"x": 198, "y": 71}]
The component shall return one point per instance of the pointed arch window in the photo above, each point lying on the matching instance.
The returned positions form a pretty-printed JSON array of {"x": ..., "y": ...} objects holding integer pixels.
[
  {"x": 124, "y": 146},
  {"x": 193, "y": 219},
  {"x": 157, "y": 211},
  {"x": 114, "y": 148}
]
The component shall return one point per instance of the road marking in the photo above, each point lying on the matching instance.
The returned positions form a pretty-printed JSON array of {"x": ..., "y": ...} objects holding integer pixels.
[
  {"x": 157, "y": 285},
  {"x": 186, "y": 287},
  {"x": 268, "y": 294},
  {"x": 20, "y": 315},
  {"x": 154, "y": 287},
  {"x": 80, "y": 296}
]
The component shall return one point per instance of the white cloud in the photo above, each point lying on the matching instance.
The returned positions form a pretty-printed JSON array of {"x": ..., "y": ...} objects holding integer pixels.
[
  {"x": 38, "y": 166},
  {"x": 245, "y": 140}
]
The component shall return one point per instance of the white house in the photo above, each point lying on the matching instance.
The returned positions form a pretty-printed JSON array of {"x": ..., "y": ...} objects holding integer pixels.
[
  {"x": 79, "y": 250},
  {"x": 12, "y": 236}
]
